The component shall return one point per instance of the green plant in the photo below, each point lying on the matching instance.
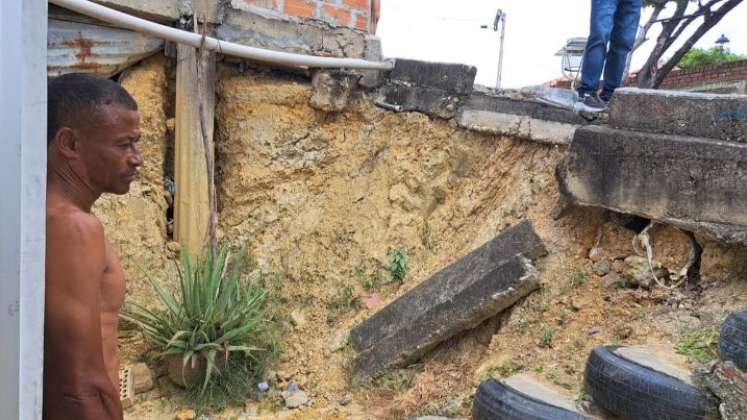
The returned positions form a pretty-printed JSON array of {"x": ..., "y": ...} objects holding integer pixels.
[
  {"x": 548, "y": 334},
  {"x": 640, "y": 313},
  {"x": 509, "y": 369},
  {"x": 398, "y": 265},
  {"x": 215, "y": 315},
  {"x": 370, "y": 282},
  {"x": 701, "y": 57},
  {"x": 700, "y": 345},
  {"x": 395, "y": 381}
]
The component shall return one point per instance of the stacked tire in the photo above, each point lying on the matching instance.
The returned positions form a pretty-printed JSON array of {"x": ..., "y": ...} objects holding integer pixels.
[{"x": 733, "y": 342}]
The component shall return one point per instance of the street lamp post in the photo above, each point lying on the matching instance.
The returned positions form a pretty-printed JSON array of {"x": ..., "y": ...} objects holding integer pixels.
[
  {"x": 722, "y": 41},
  {"x": 500, "y": 21}
]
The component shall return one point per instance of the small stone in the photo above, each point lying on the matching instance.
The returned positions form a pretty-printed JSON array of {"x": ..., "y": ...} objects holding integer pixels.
[
  {"x": 174, "y": 247},
  {"x": 613, "y": 280},
  {"x": 618, "y": 266},
  {"x": 185, "y": 415},
  {"x": 575, "y": 305},
  {"x": 292, "y": 387},
  {"x": 142, "y": 378},
  {"x": 263, "y": 386},
  {"x": 297, "y": 319},
  {"x": 602, "y": 267},
  {"x": 340, "y": 341},
  {"x": 594, "y": 330},
  {"x": 295, "y": 399},
  {"x": 345, "y": 400}
]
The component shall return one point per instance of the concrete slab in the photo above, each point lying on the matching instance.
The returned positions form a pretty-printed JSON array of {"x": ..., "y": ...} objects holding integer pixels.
[
  {"x": 428, "y": 100},
  {"x": 518, "y": 126},
  {"x": 459, "y": 297},
  {"x": 455, "y": 79},
  {"x": 534, "y": 388},
  {"x": 696, "y": 184},
  {"x": 722, "y": 117},
  {"x": 480, "y": 101}
]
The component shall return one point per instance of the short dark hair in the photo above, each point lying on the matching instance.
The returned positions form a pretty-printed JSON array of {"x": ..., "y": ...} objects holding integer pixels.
[{"x": 76, "y": 98}]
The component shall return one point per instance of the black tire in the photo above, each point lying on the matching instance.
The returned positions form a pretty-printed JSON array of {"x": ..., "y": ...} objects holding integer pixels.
[
  {"x": 496, "y": 401},
  {"x": 635, "y": 392},
  {"x": 733, "y": 342}
]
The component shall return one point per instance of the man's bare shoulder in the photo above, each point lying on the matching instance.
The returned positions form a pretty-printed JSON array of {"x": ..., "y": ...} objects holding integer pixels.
[{"x": 74, "y": 225}]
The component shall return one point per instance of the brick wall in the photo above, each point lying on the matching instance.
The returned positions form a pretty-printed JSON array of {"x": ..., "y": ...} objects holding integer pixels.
[
  {"x": 687, "y": 79},
  {"x": 354, "y": 14},
  {"x": 683, "y": 79}
]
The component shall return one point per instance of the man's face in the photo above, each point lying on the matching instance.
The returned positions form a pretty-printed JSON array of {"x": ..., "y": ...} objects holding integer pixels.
[{"x": 109, "y": 151}]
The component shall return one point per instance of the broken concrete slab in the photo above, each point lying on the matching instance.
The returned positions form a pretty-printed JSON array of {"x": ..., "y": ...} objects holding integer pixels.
[
  {"x": 729, "y": 384},
  {"x": 526, "y": 119},
  {"x": 722, "y": 117},
  {"x": 696, "y": 184},
  {"x": 459, "y": 297},
  {"x": 455, "y": 79},
  {"x": 430, "y": 101}
]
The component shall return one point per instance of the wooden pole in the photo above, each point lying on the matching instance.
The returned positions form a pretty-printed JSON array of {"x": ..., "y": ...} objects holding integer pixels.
[{"x": 192, "y": 203}]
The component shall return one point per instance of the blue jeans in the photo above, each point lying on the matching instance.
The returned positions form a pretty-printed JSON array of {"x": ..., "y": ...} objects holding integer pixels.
[{"x": 613, "y": 23}]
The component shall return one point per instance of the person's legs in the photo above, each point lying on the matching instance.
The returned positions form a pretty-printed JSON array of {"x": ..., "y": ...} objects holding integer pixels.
[
  {"x": 627, "y": 18},
  {"x": 602, "y": 20}
]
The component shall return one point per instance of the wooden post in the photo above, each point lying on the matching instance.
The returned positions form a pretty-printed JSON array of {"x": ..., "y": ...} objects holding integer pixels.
[{"x": 191, "y": 206}]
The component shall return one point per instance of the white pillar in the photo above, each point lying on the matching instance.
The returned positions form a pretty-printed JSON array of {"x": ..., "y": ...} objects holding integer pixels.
[{"x": 23, "y": 162}]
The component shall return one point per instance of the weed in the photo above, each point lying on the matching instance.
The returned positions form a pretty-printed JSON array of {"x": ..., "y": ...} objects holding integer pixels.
[
  {"x": 548, "y": 334},
  {"x": 579, "y": 343},
  {"x": 430, "y": 409},
  {"x": 552, "y": 374},
  {"x": 640, "y": 313},
  {"x": 370, "y": 282},
  {"x": 538, "y": 369},
  {"x": 395, "y": 381},
  {"x": 509, "y": 369},
  {"x": 572, "y": 278},
  {"x": 343, "y": 302},
  {"x": 563, "y": 316},
  {"x": 426, "y": 235},
  {"x": 623, "y": 331},
  {"x": 489, "y": 372},
  {"x": 569, "y": 369},
  {"x": 398, "y": 265},
  {"x": 700, "y": 344}
]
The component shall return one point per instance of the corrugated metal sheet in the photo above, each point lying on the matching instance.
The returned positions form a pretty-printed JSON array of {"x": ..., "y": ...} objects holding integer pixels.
[{"x": 101, "y": 50}]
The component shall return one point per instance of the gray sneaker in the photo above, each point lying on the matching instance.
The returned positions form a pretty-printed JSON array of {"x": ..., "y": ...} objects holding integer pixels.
[{"x": 590, "y": 103}]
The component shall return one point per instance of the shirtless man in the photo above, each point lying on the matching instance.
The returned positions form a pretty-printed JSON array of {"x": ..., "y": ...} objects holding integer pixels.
[{"x": 92, "y": 137}]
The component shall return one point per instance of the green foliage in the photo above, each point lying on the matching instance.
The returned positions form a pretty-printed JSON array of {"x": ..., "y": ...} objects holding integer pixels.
[
  {"x": 217, "y": 312},
  {"x": 230, "y": 388},
  {"x": 510, "y": 368},
  {"x": 701, "y": 57},
  {"x": 700, "y": 345},
  {"x": 370, "y": 283},
  {"x": 548, "y": 334},
  {"x": 398, "y": 265}
]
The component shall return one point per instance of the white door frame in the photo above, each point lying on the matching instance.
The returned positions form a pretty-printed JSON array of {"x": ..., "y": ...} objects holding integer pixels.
[{"x": 23, "y": 167}]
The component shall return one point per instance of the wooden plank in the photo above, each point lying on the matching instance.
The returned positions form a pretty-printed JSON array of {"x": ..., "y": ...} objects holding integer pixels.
[{"x": 191, "y": 206}]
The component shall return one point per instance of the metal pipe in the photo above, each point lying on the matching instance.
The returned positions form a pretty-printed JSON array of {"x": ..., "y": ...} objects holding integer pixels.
[{"x": 124, "y": 20}]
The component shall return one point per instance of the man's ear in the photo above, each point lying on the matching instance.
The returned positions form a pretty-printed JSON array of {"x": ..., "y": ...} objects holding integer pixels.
[{"x": 66, "y": 143}]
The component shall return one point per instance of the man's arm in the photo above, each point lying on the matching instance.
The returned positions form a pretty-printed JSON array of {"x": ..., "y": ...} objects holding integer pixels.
[{"x": 75, "y": 265}]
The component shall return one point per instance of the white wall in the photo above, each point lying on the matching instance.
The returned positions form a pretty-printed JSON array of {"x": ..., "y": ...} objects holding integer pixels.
[{"x": 23, "y": 86}]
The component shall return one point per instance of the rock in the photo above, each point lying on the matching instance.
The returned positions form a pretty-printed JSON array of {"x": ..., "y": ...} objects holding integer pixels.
[
  {"x": 704, "y": 190},
  {"x": 614, "y": 281},
  {"x": 263, "y": 386},
  {"x": 602, "y": 268},
  {"x": 340, "y": 341},
  {"x": 142, "y": 378},
  {"x": 618, "y": 266},
  {"x": 330, "y": 90},
  {"x": 459, "y": 297},
  {"x": 729, "y": 384},
  {"x": 174, "y": 248},
  {"x": 298, "y": 319},
  {"x": 185, "y": 415},
  {"x": 639, "y": 273},
  {"x": 295, "y": 399},
  {"x": 373, "y": 301},
  {"x": 346, "y": 400}
]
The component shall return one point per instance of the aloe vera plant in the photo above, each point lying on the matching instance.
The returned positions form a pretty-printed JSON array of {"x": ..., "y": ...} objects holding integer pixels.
[{"x": 214, "y": 312}]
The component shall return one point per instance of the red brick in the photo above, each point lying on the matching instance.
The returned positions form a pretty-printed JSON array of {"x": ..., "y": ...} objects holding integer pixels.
[
  {"x": 300, "y": 8},
  {"x": 363, "y": 5},
  {"x": 361, "y": 22},
  {"x": 336, "y": 15}
]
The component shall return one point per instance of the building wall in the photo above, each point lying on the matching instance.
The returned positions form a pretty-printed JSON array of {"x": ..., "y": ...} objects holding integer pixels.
[{"x": 354, "y": 14}]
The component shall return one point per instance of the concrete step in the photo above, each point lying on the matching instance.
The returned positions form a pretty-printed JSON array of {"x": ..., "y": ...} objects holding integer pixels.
[
  {"x": 459, "y": 297},
  {"x": 693, "y": 183},
  {"x": 721, "y": 117}
]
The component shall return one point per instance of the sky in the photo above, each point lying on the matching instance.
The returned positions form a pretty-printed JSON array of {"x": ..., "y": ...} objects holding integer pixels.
[{"x": 449, "y": 31}]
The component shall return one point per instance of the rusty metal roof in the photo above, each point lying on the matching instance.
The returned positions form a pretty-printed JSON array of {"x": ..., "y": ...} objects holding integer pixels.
[{"x": 88, "y": 48}]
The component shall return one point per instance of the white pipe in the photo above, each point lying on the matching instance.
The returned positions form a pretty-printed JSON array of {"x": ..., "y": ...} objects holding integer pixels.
[{"x": 124, "y": 20}]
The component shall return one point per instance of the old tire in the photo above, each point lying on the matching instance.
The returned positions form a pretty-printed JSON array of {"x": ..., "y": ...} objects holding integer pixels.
[
  {"x": 635, "y": 392},
  {"x": 733, "y": 342},
  {"x": 496, "y": 401}
]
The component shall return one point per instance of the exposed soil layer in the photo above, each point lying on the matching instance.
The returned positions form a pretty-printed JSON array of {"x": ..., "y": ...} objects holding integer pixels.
[{"x": 322, "y": 198}]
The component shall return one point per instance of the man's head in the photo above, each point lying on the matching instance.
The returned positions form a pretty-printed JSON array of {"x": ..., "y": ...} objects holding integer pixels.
[{"x": 93, "y": 129}]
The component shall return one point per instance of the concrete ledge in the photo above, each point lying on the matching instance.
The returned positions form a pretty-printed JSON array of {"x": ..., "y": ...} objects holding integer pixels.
[
  {"x": 472, "y": 289},
  {"x": 722, "y": 117},
  {"x": 503, "y": 105},
  {"x": 430, "y": 101},
  {"x": 455, "y": 79},
  {"x": 696, "y": 184},
  {"x": 520, "y": 126}
]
